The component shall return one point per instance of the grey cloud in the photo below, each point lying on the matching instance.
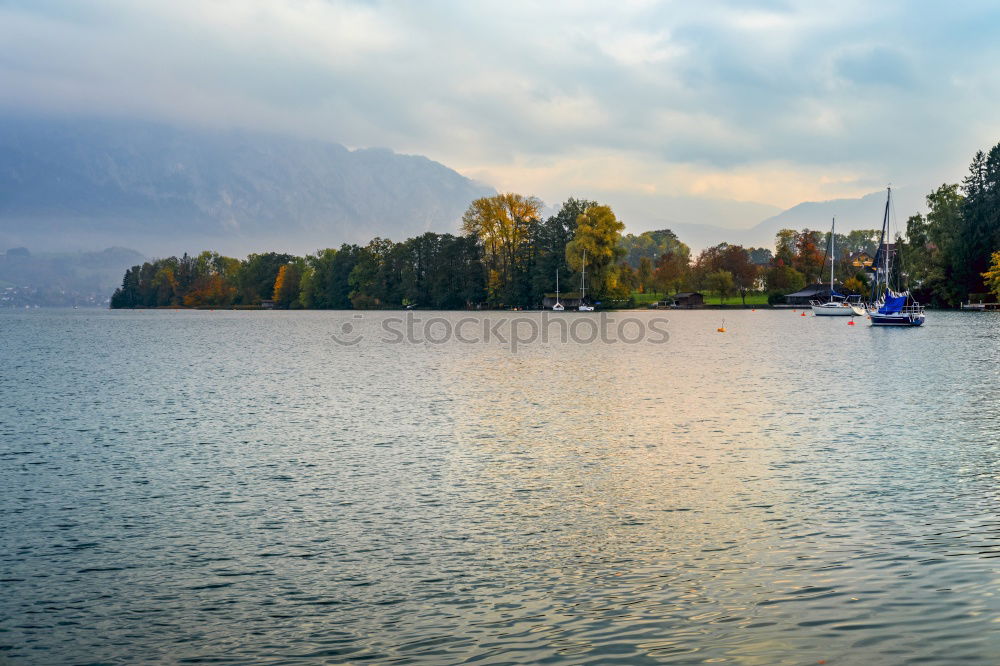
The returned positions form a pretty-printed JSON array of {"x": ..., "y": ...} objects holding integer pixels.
[{"x": 486, "y": 83}]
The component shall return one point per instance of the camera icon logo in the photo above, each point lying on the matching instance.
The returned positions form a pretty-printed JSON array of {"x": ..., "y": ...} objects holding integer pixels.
[{"x": 347, "y": 336}]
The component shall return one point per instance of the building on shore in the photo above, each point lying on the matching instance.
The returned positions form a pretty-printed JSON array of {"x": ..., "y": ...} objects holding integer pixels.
[
  {"x": 569, "y": 300},
  {"x": 687, "y": 299},
  {"x": 814, "y": 292}
]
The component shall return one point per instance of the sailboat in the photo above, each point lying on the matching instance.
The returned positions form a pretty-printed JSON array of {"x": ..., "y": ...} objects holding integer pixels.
[
  {"x": 838, "y": 305},
  {"x": 888, "y": 307},
  {"x": 558, "y": 307},
  {"x": 583, "y": 286}
]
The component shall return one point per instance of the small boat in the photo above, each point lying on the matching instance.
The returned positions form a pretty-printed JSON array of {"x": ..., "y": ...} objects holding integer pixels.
[
  {"x": 558, "y": 307},
  {"x": 838, "y": 305},
  {"x": 583, "y": 286},
  {"x": 888, "y": 307}
]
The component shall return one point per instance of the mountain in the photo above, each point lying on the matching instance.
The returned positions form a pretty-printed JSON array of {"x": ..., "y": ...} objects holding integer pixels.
[
  {"x": 62, "y": 278},
  {"x": 861, "y": 213},
  {"x": 76, "y": 184},
  {"x": 684, "y": 215}
]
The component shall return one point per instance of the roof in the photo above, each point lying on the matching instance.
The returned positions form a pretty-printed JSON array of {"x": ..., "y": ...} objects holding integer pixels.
[
  {"x": 811, "y": 290},
  {"x": 687, "y": 294}
]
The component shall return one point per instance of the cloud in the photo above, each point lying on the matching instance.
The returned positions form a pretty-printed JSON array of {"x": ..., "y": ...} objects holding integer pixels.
[{"x": 773, "y": 102}]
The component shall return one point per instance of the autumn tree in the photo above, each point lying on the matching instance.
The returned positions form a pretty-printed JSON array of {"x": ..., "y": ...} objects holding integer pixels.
[
  {"x": 502, "y": 225},
  {"x": 257, "y": 275},
  {"x": 598, "y": 233},
  {"x": 735, "y": 259},
  {"x": 992, "y": 276},
  {"x": 809, "y": 259},
  {"x": 287, "y": 285},
  {"x": 671, "y": 272}
]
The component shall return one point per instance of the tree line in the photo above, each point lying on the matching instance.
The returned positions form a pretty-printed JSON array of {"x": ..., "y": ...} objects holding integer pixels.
[
  {"x": 508, "y": 256},
  {"x": 952, "y": 254}
]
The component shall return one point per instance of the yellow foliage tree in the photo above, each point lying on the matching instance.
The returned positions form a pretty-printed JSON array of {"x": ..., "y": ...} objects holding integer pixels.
[
  {"x": 502, "y": 224},
  {"x": 281, "y": 280},
  {"x": 598, "y": 232},
  {"x": 992, "y": 276},
  {"x": 854, "y": 285}
]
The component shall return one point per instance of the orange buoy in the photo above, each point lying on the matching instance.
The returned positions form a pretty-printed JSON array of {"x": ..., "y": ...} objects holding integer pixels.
[
  {"x": 850, "y": 323},
  {"x": 720, "y": 330}
]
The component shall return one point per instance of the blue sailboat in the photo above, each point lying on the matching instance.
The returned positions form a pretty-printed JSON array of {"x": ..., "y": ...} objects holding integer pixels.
[{"x": 888, "y": 307}]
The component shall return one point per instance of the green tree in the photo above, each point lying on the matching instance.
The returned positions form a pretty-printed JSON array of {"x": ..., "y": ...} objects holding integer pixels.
[
  {"x": 783, "y": 280},
  {"x": 721, "y": 282},
  {"x": 784, "y": 247},
  {"x": 644, "y": 274},
  {"x": 979, "y": 228},
  {"x": 551, "y": 239},
  {"x": 257, "y": 275},
  {"x": 287, "y": 285},
  {"x": 371, "y": 278},
  {"x": 652, "y": 245}
]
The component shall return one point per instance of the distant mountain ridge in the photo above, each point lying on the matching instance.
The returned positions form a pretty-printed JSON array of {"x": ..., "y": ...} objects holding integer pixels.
[
  {"x": 85, "y": 184},
  {"x": 69, "y": 184},
  {"x": 851, "y": 214},
  {"x": 62, "y": 278}
]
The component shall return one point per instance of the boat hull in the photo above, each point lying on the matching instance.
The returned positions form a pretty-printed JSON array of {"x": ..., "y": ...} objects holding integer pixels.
[
  {"x": 837, "y": 311},
  {"x": 897, "y": 320}
]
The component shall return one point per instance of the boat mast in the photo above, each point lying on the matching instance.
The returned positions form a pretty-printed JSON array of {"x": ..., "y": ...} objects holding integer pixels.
[
  {"x": 583, "y": 278},
  {"x": 885, "y": 232},
  {"x": 833, "y": 226},
  {"x": 882, "y": 247}
]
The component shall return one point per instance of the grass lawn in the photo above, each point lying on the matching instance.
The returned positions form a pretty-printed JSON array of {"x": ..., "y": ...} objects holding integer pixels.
[
  {"x": 754, "y": 298},
  {"x": 647, "y": 298}
]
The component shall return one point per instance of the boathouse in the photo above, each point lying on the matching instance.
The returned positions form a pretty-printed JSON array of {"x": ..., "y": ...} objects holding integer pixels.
[
  {"x": 814, "y": 292},
  {"x": 688, "y": 299},
  {"x": 570, "y": 300}
]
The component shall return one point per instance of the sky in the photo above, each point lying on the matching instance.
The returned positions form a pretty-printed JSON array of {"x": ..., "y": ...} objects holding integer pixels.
[{"x": 770, "y": 103}]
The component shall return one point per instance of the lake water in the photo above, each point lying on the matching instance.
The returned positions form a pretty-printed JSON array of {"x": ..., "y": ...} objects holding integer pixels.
[{"x": 239, "y": 487}]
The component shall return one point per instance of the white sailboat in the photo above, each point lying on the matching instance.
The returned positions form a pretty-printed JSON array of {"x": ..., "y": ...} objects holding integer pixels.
[
  {"x": 838, "y": 305},
  {"x": 583, "y": 286},
  {"x": 558, "y": 307}
]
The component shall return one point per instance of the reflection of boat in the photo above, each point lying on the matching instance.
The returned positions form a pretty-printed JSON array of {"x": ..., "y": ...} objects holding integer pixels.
[
  {"x": 838, "y": 305},
  {"x": 890, "y": 308},
  {"x": 583, "y": 287},
  {"x": 558, "y": 307}
]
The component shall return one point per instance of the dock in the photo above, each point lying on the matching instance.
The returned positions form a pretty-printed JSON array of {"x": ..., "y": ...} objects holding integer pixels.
[{"x": 981, "y": 307}]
